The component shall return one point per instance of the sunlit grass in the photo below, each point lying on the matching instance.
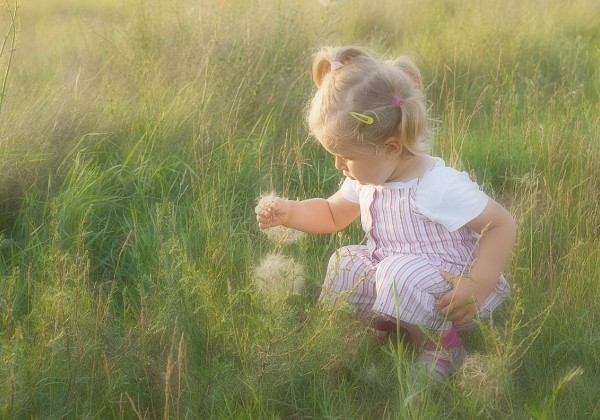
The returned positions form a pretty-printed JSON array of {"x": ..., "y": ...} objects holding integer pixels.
[{"x": 135, "y": 137}]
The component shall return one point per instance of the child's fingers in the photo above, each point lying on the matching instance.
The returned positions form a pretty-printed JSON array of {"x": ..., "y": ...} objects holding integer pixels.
[
  {"x": 264, "y": 226},
  {"x": 466, "y": 316},
  {"x": 270, "y": 214},
  {"x": 459, "y": 314},
  {"x": 445, "y": 306},
  {"x": 453, "y": 280},
  {"x": 447, "y": 299},
  {"x": 449, "y": 304},
  {"x": 461, "y": 319},
  {"x": 263, "y": 217},
  {"x": 445, "y": 302},
  {"x": 266, "y": 211},
  {"x": 450, "y": 278},
  {"x": 259, "y": 210}
]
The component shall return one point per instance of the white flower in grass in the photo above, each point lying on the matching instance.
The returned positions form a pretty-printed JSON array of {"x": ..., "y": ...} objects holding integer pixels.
[
  {"x": 278, "y": 234},
  {"x": 279, "y": 276}
]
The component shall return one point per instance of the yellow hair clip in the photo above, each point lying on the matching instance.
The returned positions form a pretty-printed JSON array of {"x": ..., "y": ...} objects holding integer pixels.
[{"x": 362, "y": 118}]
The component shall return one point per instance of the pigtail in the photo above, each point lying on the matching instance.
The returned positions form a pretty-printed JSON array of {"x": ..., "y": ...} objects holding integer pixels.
[
  {"x": 412, "y": 125},
  {"x": 408, "y": 66},
  {"x": 323, "y": 60},
  {"x": 321, "y": 67}
]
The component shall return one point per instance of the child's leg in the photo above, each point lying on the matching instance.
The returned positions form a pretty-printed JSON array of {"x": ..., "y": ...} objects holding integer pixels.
[
  {"x": 407, "y": 289},
  {"x": 351, "y": 275},
  {"x": 441, "y": 352}
]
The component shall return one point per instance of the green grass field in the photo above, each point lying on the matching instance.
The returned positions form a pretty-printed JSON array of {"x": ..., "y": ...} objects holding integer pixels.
[{"x": 136, "y": 136}]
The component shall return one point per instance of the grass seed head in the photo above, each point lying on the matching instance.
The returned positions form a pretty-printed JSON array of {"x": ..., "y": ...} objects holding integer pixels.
[
  {"x": 279, "y": 276},
  {"x": 484, "y": 377}
]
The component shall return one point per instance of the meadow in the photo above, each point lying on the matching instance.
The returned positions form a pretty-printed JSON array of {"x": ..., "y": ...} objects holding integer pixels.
[{"x": 136, "y": 136}]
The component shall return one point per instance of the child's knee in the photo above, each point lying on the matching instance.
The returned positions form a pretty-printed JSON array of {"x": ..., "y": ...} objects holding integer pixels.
[
  {"x": 344, "y": 259},
  {"x": 409, "y": 274},
  {"x": 395, "y": 272},
  {"x": 346, "y": 268}
]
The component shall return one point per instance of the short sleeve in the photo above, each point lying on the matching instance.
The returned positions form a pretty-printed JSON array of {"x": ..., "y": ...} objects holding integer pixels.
[
  {"x": 450, "y": 198},
  {"x": 350, "y": 190}
]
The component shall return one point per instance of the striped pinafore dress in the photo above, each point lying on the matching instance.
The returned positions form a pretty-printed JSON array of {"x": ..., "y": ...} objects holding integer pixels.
[{"x": 397, "y": 273}]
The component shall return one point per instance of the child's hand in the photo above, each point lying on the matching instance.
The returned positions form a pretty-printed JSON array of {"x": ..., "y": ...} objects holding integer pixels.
[
  {"x": 460, "y": 305},
  {"x": 272, "y": 213}
]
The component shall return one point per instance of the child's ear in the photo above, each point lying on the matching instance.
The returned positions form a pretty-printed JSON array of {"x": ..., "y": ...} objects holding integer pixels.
[{"x": 393, "y": 147}]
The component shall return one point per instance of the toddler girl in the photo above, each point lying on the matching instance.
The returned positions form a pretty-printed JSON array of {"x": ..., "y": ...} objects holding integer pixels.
[{"x": 435, "y": 244}]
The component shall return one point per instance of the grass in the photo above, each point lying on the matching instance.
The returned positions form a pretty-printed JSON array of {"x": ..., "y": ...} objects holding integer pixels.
[{"x": 135, "y": 138}]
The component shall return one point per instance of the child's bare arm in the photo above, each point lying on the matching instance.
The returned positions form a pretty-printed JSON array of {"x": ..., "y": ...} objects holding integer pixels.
[
  {"x": 317, "y": 215},
  {"x": 498, "y": 234}
]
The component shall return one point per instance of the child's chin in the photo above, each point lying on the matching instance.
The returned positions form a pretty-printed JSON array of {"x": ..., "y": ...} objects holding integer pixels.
[{"x": 359, "y": 181}]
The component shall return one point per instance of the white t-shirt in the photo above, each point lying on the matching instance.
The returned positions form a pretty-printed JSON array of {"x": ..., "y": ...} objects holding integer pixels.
[{"x": 443, "y": 194}]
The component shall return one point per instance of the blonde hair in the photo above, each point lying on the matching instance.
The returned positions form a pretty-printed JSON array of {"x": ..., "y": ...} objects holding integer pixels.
[{"x": 389, "y": 91}]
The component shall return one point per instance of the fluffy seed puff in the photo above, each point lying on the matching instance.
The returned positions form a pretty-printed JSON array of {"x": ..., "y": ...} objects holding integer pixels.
[
  {"x": 279, "y": 276},
  {"x": 281, "y": 235},
  {"x": 485, "y": 378}
]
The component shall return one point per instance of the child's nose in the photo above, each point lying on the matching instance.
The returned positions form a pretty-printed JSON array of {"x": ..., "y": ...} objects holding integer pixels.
[{"x": 340, "y": 165}]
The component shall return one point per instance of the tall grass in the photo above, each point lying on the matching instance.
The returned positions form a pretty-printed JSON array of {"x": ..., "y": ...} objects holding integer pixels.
[{"x": 135, "y": 138}]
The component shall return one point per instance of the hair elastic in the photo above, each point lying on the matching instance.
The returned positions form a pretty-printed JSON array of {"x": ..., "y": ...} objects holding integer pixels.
[
  {"x": 362, "y": 118},
  {"x": 336, "y": 65},
  {"x": 397, "y": 102}
]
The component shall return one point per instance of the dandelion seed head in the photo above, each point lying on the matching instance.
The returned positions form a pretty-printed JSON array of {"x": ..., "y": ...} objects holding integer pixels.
[
  {"x": 279, "y": 276},
  {"x": 283, "y": 235},
  {"x": 476, "y": 368},
  {"x": 484, "y": 377},
  {"x": 279, "y": 234}
]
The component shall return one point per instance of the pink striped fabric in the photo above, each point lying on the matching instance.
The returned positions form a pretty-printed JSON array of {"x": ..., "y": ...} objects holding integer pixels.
[{"x": 397, "y": 272}]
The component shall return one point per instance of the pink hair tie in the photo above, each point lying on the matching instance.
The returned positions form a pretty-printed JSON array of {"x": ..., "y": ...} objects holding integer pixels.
[
  {"x": 397, "y": 102},
  {"x": 336, "y": 65}
]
